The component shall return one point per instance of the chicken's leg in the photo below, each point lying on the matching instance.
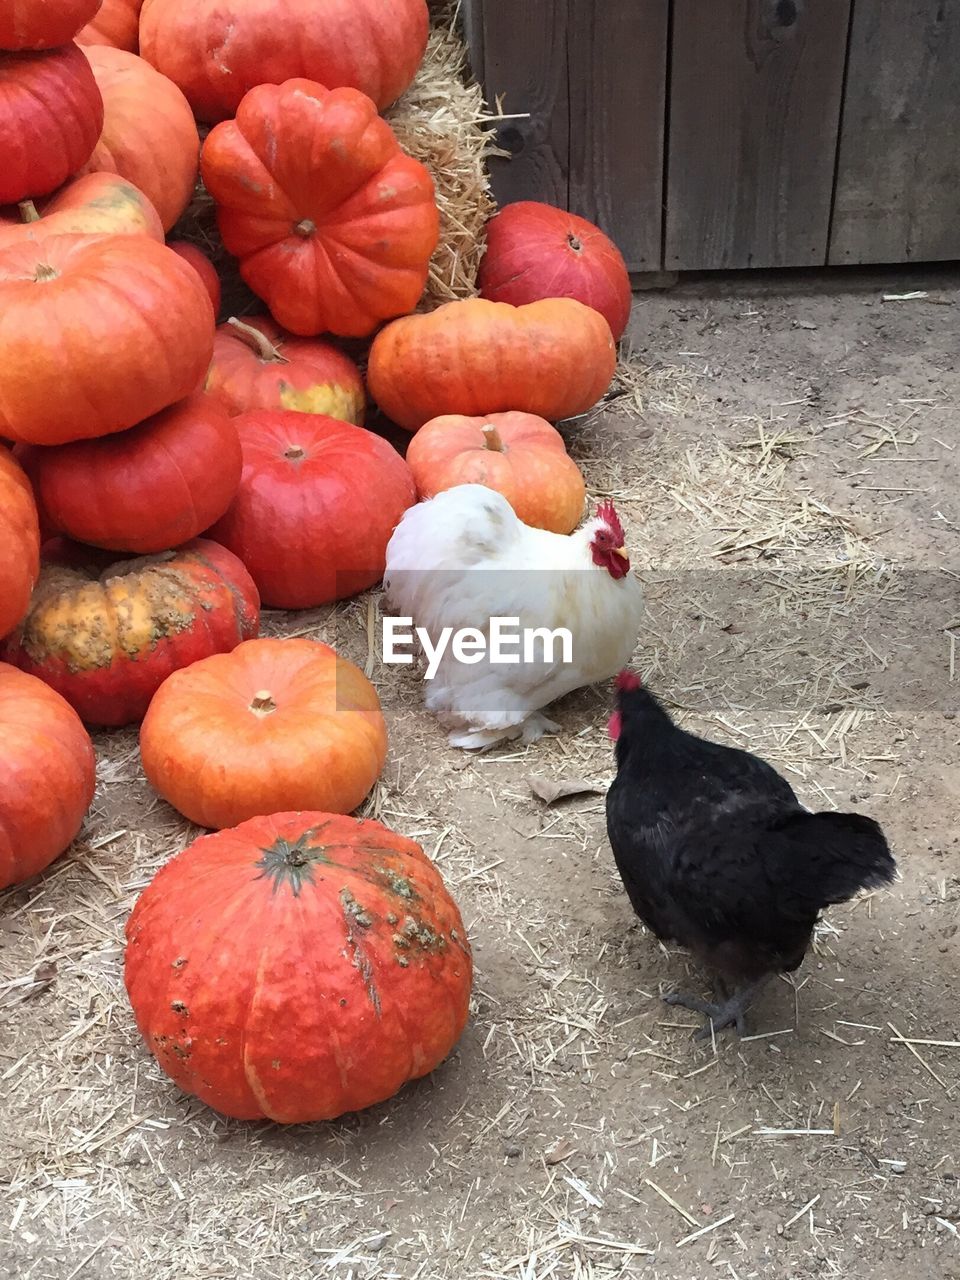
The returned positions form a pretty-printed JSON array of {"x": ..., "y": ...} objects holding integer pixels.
[{"x": 728, "y": 1013}]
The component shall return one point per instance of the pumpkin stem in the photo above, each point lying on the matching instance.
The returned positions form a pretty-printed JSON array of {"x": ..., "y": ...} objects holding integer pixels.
[
  {"x": 44, "y": 272},
  {"x": 491, "y": 438},
  {"x": 28, "y": 211},
  {"x": 294, "y": 452},
  {"x": 575, "y": 243},
  {"x": 259, "y": 342},
  {"x": 263, "y": 703},
  {"x": 306, "y": 227}
]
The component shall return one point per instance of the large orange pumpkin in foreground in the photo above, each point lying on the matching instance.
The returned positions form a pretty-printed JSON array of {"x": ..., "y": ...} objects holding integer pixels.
[
  {"x": 106, "y": 635},
  {"x": 298, "y": 967},
  {"x": 116, "y": 23},
  {"x": 47, "y": 775},
  {"x": 42, "y": 24},
  {"x": 216, "y": 52},
  {"x": 518, "y": 454},
  {"x": 274, "y": 725},
  {"x": 96, "y": 204},
  {"x": 19, "y": 542},
  {"x": 553, "y": 358},
  {"x": 332, "y": 223},
  {"x": 317, "y": 504},
  {"x": 256, "y": 365},
  {"x": 97, "y": 332}
]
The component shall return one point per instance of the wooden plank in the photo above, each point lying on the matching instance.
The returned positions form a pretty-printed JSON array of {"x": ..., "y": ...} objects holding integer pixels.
[
  {"x": 617, "y": 59},
  {"x": 754, "y": 119},
  {"x": 898, "y": 177},
  {"x": 525, "y": 66},
  {"x": 471, "y": 17}
]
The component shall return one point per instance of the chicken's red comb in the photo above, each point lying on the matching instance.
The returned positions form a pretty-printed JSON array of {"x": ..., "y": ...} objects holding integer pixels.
[
  {"x": 627, "y": 680},
  {"x": 607, "y": 512}
]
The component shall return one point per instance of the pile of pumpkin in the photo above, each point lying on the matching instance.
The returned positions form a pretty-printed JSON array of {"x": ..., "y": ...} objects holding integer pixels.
[{"x": 166, "y": 477}]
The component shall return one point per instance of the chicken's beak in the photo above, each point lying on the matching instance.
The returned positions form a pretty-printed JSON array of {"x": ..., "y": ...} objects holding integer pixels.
[{"x": 622, "y": 553}]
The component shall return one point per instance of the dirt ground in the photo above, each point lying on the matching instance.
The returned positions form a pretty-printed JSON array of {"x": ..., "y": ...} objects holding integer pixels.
[{"x": 788, "y": 467}]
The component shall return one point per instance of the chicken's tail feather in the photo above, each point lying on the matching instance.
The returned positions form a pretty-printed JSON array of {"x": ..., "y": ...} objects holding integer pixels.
[{"x": 851, "y": 854}]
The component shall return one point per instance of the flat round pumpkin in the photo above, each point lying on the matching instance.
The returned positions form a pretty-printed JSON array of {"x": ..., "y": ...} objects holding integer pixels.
[
  {"x": 274, "y": 725},
  {"x": 95, "y": 204},
  {"x": 19, "y": 542},
  {"x": 43, "y": 24},
  {"x": 204, "y": 268},
  {"x": 298, "y": 967}
]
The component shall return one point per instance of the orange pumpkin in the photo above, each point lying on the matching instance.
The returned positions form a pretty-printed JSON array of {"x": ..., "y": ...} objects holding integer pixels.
[
  {"x": 149, "y": 134},
  {"x": 96, "y": 204},
  {"x": 256, "y": 365},
  {"x": 332, "y": 223},
  {"x": 47, "y": 775},
  {"x": 117, "y": 23},
  {"x": 518, "y": 454},
  {"x": 297, "y": 967},
  {"x": 274, "y": 725},
  {"x": 42, "y": 24},
  {"x": 19, "y": 542},
  {"x": 553, "y": 358},
  {"x": 203, "y": 267},
  {"x": 96, "y": 333}
]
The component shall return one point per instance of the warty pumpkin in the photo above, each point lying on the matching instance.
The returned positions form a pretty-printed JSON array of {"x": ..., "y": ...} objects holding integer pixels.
[
  {"x": 116, "y": 23},
  {"x": 47, "y": 775},
  {"x": 553, "y": 358},
  {"x": 106, "y": 635},
  {"x": 202, "y": 265},
  {"x": 298, "y": 967},
  {"x": 51, "y": 114},
  {"x": 42, "y": 24},
  {"x": 518, "y": 454},
  {"x": 332, "y": 222},
  {"x": 316, "y": 506},
  {"x": 257, "y": 365},
  {"x": 96, "y": 332},
  {"x": 96, "y": 204},
  {"x": 217, "y": 52},
  {"x": 19, "y": 542},
  {"x": 273, "y": 725}
]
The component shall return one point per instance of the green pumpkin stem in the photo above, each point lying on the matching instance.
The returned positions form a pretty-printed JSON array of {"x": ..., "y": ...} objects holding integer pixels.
[{"x": 259, "y": 342}]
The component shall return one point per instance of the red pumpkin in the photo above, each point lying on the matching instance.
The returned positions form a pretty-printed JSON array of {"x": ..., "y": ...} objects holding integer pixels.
[
  {"x": 51, "y": 114},
  {"x": 107, "y": 636},
  {"x": 518, "y": 454},
  {"x": 19, "y": 543},
  {"x": 298, "y": 967},
  {"x": 96, "y": 332},
  {"x": 47, "y": 775},
  {"x": 272, "y": 726},
  {"x": 332, "y": 223},
  {"x": 97, "y": 204},
  {"x": 217, "y": 52},
  {"x": 42, "y": 24},
  {"x": 535, "y": 251},
  {"x": 143, "y": 490},
  {"x": 203, "y": 267},
  {"x": 256, "y": 365},
  {"x": 149, "y": 134},
  {"x": 317, "y": 504},
  {"x": 117, "y": 23}
]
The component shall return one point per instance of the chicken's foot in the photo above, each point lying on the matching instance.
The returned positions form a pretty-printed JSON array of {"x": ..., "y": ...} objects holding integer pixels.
[{"x": 731, "y": 1012}]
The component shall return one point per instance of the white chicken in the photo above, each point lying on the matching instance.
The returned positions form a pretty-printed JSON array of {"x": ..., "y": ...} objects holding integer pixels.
[{"x": 463, "y": 558}]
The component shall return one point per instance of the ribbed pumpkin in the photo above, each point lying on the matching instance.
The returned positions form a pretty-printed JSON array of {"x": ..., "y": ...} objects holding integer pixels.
[
  {"x": 298, "y": 967},
  {"x": 256, "y": 365},
  {"x": 272, "y": 726},
  {"x": 149, "y": 134},
  {"x": 42, "y": 24},
  {"x": 535, "y": 251},
  {"x": 518, "y": 454},
  {"x": 117, "y": 23},
  {"x": 96, "y": 332},
  {"x": 51, "y": 114},
  {"x": 332, "y": 223},
  {"x": 317, "y": 504},
  {"x": 217, "y": 52},
  {"x": 553, "y": 358},
  {"x": 47, "y": 775},
  {"x": 203, "y": 267},
  {"x": 96, "y": 204},
  {"x": 19, "y": 542},
  {"x": 107, "y": 636},
  {"x": 155, "y": 486}
]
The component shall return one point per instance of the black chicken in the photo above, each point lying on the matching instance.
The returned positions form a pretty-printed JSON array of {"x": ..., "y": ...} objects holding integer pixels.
[{"x": 716, "y": 853}]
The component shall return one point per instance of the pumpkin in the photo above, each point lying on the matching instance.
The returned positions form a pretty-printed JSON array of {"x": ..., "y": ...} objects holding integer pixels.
[
  {"x": 553, "y": 358},
  {"x": 47, "y": 775},
  {"x": 518, "y": 454},
  {"x": 535, "y": 251},
  {"x": 107, "y": 636},
  {"x": 217, "y": 52},
  {"x": 332, "y": 223},
  {"x": 203, "y": 267},
  {"x": 42, "y": 24},
  {"x": 117, "y": 23},
  {"x": 143, "y": 490},
  {"x": 149, "y": 134},
  {"x": 97, "y": 204},
  {"x": 256, "y": 365},
  {"x": 297, "y": 967},
  {"x": 51, "y": 114},
  {"x": 317, "y": 504},
  {"x": 19, "y": 542},
  {"x": 97, "y": 332},
  {"x": 274, "y": 725}
]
